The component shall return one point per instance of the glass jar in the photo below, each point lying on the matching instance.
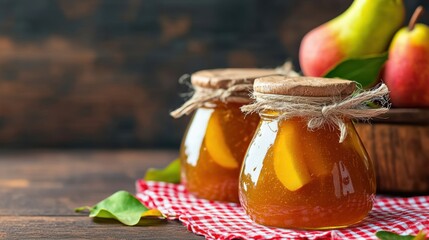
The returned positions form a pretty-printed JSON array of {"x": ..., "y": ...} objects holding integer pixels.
[
  {"x": 213, "y": 149},
  {"x": 219, "y": 134},
  {"x": 293, "y": 177}
]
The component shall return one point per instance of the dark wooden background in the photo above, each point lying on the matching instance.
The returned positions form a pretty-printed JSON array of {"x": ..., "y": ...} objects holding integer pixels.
[{"x": 103, "y": 73}]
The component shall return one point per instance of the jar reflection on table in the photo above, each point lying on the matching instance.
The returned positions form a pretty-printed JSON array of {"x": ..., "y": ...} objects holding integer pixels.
[
  {"x": 296, "y": 178},
  {"x": 213, "y": 149}
]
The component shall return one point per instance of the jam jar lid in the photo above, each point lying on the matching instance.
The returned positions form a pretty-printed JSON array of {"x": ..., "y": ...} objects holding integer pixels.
[
  {"x": 304, "y": 86},
  {"x": 223, "y": 85},
  {"x": 227, "y": 77},
  {"x": 320, "y": 101}
]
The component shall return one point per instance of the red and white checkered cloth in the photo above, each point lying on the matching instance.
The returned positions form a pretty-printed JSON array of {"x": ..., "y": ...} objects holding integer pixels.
[{"x": 216, "y": 220}]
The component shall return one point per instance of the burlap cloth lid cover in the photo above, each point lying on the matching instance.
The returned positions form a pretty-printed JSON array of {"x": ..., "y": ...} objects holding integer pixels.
[
  {"x": 321, "y": 101},
  {"x": 225, "y": 78},
  {"x": 304, "y": 86},
  {"x": 225, "y": 85}
]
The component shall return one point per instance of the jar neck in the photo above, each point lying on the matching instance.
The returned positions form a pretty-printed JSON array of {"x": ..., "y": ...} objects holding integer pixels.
[
  {"x": 270, "y": 115},
  {"x": 220, "y": 104}
]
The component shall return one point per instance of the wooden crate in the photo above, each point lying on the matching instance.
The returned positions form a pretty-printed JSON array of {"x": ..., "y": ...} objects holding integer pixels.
[{"x": 398, "y": 143}]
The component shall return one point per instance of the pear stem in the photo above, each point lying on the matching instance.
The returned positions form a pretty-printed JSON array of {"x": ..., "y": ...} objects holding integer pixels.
[{"x": 416, "y": 15}]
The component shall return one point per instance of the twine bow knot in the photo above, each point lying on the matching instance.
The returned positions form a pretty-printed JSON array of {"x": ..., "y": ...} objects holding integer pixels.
[
  {"x": 237, "y": 90},
  {"x": 321, "y": 111}
]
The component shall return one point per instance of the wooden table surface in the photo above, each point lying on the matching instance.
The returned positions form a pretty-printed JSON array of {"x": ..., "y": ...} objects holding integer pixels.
[{"x": 40, "y": 189}]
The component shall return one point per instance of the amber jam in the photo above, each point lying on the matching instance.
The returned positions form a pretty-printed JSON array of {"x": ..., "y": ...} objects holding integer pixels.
[
  {"x": 213, "y": 149},
  {"x": 296, "y": 178}
]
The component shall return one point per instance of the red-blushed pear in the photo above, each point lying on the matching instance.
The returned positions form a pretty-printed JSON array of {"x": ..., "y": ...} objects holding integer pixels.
[
  {"x": 406, "y": 73},
  {"x": 365, "y": 28}
]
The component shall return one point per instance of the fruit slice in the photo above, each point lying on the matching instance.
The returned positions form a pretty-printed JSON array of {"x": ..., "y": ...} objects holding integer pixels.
[
  {"x": 289, "y": 164},
  {"x": 216, "y": 144}
]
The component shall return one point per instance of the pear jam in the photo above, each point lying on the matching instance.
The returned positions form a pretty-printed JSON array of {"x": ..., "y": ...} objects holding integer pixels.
[
  {"x": 213, "y": 150},
  {"x": 295, "y": 178},
  {"x": 301, "y": 178},
  {"x": 218, "y": 135}
]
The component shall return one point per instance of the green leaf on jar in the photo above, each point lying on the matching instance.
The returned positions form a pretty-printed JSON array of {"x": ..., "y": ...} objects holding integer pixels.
[
  {"x": 363, "y": 70},
  {"x": 170, "y": 174},
  {"x": 123, "y": 207}
]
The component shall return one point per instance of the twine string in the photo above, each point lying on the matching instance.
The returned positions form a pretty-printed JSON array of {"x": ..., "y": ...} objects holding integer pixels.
[
  {"x": 320, "y": 111},
  {"x": 236, "y": 91}
]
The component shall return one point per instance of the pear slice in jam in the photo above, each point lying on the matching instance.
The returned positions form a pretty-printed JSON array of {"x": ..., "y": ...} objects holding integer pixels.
[
  {"x": 216, "y": 144},
  {"x": 289, "y": 164}
]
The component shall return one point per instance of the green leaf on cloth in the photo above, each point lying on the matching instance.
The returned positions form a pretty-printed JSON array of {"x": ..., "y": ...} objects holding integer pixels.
[
  {"x": 170, "y": 174},
  {"x": 122, "y": 206},
  {"x": 385, "y": 235},
  {"x": 364, "y": 70}
]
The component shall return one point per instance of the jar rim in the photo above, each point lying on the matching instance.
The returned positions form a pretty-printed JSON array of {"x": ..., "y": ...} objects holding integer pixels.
[
  {"x": 223, "y": 78},
  {"x": 304, "y": 86}
]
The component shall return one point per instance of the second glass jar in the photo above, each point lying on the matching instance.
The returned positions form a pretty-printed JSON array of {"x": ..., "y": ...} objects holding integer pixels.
[
  {"x": 213, "y": 149},
  {"x": 218, "y": 136}
]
